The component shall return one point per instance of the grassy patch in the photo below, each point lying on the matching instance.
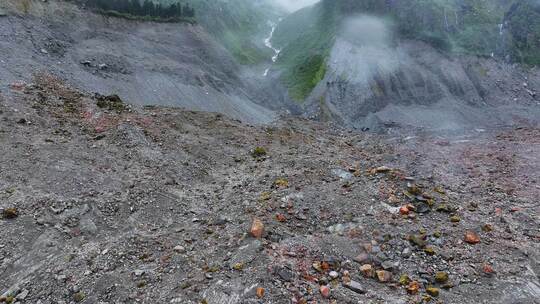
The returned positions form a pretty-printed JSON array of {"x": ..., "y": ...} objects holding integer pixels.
[
  {"x": 243, "y": 49},
  {"x": 304, "y": 76},
  {"x": 306, "y": 40}
]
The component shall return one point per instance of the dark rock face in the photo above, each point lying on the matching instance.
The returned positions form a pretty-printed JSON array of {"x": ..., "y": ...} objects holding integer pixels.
[{"x": 523, "y": 23}]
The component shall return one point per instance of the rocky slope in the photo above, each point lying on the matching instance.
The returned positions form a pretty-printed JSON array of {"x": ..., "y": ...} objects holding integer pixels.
[
  {"x": 440, "y": 65},
  {"x": 333, "y": 64},
  {"x": 145, "y": 63},
  {"x": 411, "y": 85},
  {"x": 102, "y": 202}
]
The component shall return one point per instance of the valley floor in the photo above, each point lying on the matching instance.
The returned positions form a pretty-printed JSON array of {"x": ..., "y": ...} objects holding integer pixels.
[{"x": 102, "y": 202}]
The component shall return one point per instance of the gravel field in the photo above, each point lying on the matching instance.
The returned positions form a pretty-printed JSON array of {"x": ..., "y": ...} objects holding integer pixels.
[{"x": 105, "y": 202}]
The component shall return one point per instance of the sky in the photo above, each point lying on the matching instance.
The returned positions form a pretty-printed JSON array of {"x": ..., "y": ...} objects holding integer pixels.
[{"x": 293, "y": 5}]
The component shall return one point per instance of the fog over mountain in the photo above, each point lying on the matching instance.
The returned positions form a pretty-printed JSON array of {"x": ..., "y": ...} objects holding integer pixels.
[{"x": 294, "y": 5}]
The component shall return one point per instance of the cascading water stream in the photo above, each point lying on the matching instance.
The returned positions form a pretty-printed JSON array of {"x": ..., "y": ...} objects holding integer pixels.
[
  {"x": 501, "y": 41},
  {"x": 268, "y": 44}
]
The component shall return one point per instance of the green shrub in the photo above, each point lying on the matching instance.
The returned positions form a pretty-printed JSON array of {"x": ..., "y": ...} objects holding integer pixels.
[{"x": 258, "y": 152}]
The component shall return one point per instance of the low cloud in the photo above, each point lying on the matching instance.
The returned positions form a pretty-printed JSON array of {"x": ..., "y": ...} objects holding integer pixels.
[
  {"x": 363, "y": 50},
  {"x": 294, "y": 5}
]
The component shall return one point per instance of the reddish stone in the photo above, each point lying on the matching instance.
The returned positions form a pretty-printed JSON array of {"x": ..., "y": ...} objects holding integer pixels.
[
  {"x": 325, "y": 291},
  {"x": 413, "y": 287},
  {"x": 17, "y": 85},
  {"x": 404, "y": 210},
  {"x": 488, "y": 269},
  {"x": 257, "y": 228},
  {"x": 281, "y": 218},
  {"x": 260, "y": 292},
  {"x": 471, "y": 237}
]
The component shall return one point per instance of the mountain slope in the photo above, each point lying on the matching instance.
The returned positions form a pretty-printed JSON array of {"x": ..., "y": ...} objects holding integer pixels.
[
  {"x": 418, "y": 63},
  {"x": 143, "y": 62},
  {"x": 238, "y": 25}
]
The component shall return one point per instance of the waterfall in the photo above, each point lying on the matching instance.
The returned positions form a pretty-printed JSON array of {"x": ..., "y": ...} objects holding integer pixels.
[
  {"x": 501, "y": 41},
  {"x": 268, "y": 44}
]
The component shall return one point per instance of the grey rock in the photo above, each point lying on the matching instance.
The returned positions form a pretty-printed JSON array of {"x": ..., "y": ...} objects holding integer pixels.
[
  {"x": 362, "y": 258},
  {"x": 180, "y": 249},
  {"x": 23, "y": 294},
  {"x": 355, "y": 286},
  {"x": 388, "y": 265},
  {"x": 285, "y": 274},
  {"x": 406, "y": 252},
  {"x": 246, "y": 253},
  {"x": 422, "y": 207},
  {"x": 342, "y": 174},
  {"x": 87, "y": 226},
  {"x": 61, "y": 277},
  {"x": 337, "y": 229},
  {"x": 301, "y": 216}
]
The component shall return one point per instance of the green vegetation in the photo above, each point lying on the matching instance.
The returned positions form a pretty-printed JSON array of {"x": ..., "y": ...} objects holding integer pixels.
[
  {"x": 305, "y": 75},
  {"x": 243, "y": 49},
  {"x": 79, "y": 296},
  {"x": 524, "y": 20},
  {"x": 307, "y": 38},
  {"x": 147, "y": 10},
  {"x": 110, "y": 102},
  {"x": 145, "y": 18},
  {"x": 237, "y": 24},
  {"x": 258, "y": 152}
]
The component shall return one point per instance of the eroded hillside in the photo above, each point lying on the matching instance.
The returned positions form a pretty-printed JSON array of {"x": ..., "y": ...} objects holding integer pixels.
[
  {"x": 144, "y": 62},
  {"x": 103, "y": 202},
  {"x": 441, "y": 65}
]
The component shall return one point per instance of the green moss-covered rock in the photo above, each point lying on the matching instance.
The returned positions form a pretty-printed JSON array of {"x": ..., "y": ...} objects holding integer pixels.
[
  {"x": 258, "y": 152},
  {"x": 417, "y": 240},
  {"x": 110, "y": 102},
  {"x": 404, "y": 280},
  {"x": 79, "y": 296},
  {"x": 429, "y": 250},
  {"x": 432, "y": 291},
  {"x": 10, "y": 213},
  {"x": 441, "y": 277}
]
